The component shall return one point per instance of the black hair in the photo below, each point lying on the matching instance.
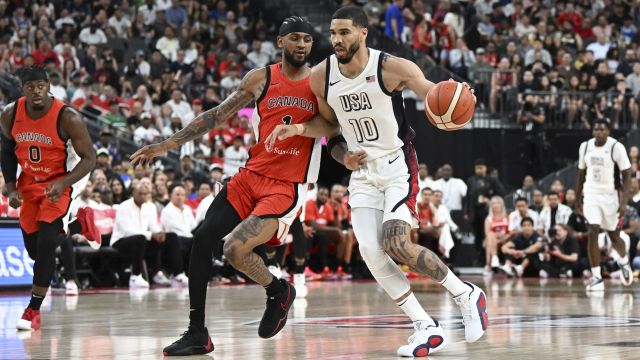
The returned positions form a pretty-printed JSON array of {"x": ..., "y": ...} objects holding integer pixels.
[
  {"x": 353, "y": 13},
  {"x": 426, "y": 188},
  {"x": 175, "y": 185},
  {"x": 605, "y": 122},
  {"x": 522, "y": 199},
  {"x": 295, "y": 24},
  {"x": 32, "y": 73},
  {"x": 526, "y": 219},
  {"x": 553, "y": 193}
]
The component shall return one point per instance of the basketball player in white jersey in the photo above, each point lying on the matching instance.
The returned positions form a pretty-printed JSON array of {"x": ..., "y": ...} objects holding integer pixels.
[
  {"x": 359, "y": 91},
  {"x": 601, "y": 161}
]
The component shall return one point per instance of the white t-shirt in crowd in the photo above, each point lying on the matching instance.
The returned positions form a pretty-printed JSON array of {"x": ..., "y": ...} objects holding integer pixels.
[{"x": 234, "y": 160}]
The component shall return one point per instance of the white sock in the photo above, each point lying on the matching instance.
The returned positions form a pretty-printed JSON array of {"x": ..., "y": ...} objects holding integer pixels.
[
  {"x": 453, "y": 284},
  {"x": 414, "y": 310},
  {"x": 595, "y": 271}
]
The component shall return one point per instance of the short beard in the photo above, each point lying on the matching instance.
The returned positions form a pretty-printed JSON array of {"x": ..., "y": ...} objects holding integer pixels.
[
  {"x": 350, "y": 52},
  {"x": 37, "y": 107},
  {"x": 291, "y": 60}
]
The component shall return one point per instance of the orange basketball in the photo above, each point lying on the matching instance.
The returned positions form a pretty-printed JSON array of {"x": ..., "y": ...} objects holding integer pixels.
[{"x": 449, "y": 105}]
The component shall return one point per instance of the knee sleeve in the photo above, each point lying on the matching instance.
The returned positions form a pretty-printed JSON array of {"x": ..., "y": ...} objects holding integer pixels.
[{"x": 367, "y": 225}]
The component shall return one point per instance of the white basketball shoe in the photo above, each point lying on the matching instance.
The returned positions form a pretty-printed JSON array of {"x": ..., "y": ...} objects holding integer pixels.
[
  {"x": 426, "y": 340},
  {"x": 473, "y": 306}
]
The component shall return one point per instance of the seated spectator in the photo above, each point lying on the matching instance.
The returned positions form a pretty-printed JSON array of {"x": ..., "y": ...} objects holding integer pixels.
[
  {"x": 445, "y": 223},
  {"x": 136, "y": 224},
  {"x": 538, "y": 201},
  {"x": 554, "y": 213},
  {"x": 103, "y": 162},
  {"x": 181, "y": 107},
  {"x": 235, "y": 157},
  {"x": 146, "y": 133},
  {"x": 521, "y": 251},
  {"x": 177, "y": 222},
  {"x": 203, "y": 191},
  {"x": 496, "y": 228},
  {"x": 341, "y": 213},
  {"x": 461, "y": 58},
  {"x": 560, "y": 257},
  {"x": 522, "y": 211},
  {"x": 319, "y": 215}
]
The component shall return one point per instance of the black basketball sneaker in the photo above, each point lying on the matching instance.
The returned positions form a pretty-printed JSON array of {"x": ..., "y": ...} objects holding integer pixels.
[
  {"x": 192, "y": 342},
  {"x": 275, "y": 315}
]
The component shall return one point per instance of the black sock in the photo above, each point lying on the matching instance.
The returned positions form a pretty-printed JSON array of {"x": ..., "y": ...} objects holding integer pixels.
[
  {"x": 196, "y": 319},
  {"x": 274, "y": 287},
  {"x": 298, "y": 268},
  {"x": 36, "y": 301}
]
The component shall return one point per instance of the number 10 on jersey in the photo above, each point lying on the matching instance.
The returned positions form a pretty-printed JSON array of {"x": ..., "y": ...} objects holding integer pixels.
[{"x": 364, "y": 129}]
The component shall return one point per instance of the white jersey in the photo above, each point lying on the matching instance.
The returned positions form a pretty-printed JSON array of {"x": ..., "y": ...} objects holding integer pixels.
[
  {"x": 372, "y": 118},
  {"x": 599, "y": 161}
]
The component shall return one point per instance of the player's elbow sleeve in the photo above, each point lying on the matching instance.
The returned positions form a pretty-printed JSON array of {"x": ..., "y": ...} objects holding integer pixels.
[{"x": 8, "y": 159}]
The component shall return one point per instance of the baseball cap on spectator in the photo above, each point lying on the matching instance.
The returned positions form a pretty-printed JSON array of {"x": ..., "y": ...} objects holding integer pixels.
[
  {"x": 140, "y": 52},
  {"x": 196, "y": 101},
  {"x": 184, "y": 156},
  {"x": 480, "y": 51},
  {"x": 106, "y": 132},
  {"x": 166, "y": 70},
  {"x": 145, "y": 115},
  {"x": 169, "y": 169},
  {"x": 215, "y": 166},
  {"x": 87, "y": 82},
  {"x": 102, "y": 151}
]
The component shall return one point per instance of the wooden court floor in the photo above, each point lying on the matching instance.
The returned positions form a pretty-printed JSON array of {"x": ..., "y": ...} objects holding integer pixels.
[{"x": 529, "y": 319}]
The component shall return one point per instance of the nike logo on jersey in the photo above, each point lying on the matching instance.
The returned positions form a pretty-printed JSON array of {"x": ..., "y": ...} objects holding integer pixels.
[
  {"x": 333, "y": 83},
  {"x": 391, "y": 161}
]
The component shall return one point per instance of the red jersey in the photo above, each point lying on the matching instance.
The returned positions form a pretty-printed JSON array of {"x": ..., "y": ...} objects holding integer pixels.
[
  {"x": 425, "y": 215},
  {"x": 323, "y": 215},
  {"x": 41, "y": 152},
  {"x": 500, "y": 225},
  {"x": 285, "y": 101}
]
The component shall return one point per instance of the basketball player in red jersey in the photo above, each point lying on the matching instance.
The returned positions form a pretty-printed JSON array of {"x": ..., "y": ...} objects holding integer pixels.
[
  {"x": 43, "y": 136},
  {"x": 359, "y": 91},
  {"x": 264, "y": 197}
]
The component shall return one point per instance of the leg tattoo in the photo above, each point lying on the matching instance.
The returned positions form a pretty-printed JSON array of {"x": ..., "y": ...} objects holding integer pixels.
[{"x": 397, "y": 243}]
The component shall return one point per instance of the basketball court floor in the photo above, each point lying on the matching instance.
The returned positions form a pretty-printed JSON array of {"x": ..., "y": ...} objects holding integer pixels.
[{"x": 529, "y": 319}]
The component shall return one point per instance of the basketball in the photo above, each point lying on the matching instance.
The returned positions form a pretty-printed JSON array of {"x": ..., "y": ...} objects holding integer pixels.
[{"x": 449, "y": 105}]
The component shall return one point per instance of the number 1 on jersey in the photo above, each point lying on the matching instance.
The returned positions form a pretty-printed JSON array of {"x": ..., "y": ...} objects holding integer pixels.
[{"x": 365, "y": 129}]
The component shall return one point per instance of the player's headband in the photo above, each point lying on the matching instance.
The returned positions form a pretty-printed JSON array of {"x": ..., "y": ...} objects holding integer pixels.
[
  {"x": 295, "y": 24},
  {"x": 33, "y": 75}
]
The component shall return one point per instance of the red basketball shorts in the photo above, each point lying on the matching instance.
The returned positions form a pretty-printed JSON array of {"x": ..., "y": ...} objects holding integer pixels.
[
  {"x": 36, "y": 207},
  {"x": 253, "y": 194}
]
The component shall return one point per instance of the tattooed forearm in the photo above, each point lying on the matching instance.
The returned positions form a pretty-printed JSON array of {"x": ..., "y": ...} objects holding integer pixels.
[
  {"x": 338, "y": 152},
  {"x": 210, "y": 119},
  {"x": 397, "y": 243}
]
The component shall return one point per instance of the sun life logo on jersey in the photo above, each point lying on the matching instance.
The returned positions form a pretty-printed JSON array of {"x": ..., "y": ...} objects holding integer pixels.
[{"x": 355, "y": 102}]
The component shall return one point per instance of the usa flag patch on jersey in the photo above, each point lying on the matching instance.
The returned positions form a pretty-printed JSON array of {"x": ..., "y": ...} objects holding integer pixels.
[{"x": 371, "y": 78}]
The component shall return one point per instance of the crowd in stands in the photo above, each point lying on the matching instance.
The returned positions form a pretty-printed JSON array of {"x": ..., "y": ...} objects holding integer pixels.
[
  {"x": 145, "y": 69},
  {"x": 573, "y": 61}
]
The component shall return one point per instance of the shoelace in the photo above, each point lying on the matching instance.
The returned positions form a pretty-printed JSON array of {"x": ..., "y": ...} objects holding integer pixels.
[
  {"x": 465, "y": 307},
  {"x": 417, "y": 328}
]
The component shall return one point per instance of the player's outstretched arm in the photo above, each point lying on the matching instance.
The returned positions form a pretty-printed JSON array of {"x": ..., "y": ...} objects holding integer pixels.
[
  {"x": 250, "y": 87},
  {"x": 73, "y": 128},
  {"x": 8, "y": 158}
]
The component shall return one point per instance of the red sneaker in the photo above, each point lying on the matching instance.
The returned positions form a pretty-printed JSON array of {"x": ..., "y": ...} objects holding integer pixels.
[
  {"x": 89, "y": 230},
  {"x": 30, "y": 320},
  {"x": 311, "y": 276},
  {"x": 342, "y": 275},
  {"x": 328, "y": 275}
]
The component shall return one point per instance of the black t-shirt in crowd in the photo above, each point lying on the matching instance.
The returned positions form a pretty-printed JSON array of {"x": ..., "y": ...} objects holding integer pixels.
[
  {"x": 520, "y": 242},
  {"x": 568, "y": 246},
  {"x": 528, "y": 125}
]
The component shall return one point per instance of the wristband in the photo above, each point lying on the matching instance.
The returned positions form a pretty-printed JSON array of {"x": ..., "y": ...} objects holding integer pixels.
[{"x": 299, "y": 129}]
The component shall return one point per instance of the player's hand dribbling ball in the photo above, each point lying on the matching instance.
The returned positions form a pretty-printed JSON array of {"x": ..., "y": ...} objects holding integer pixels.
[{"x": 450, "y": 105}]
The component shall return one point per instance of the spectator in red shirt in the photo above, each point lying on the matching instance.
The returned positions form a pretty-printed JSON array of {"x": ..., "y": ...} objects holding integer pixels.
[
  {"x": 570, "y": 15},
  {"x": 342, "y": 220},
  {"x": 44, "y": 52},
  {"x": 320, "y": 216},
  {"x": 203, "y": 191}
]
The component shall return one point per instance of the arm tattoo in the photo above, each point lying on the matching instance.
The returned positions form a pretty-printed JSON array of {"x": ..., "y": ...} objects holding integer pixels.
[
  {"x": 397, "y": 243},
  {"x": 338, "y": 152},
  {"x": 210, "y": 119}
]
